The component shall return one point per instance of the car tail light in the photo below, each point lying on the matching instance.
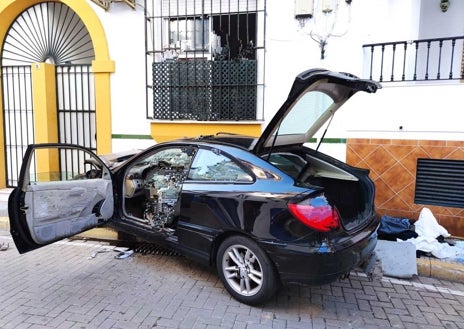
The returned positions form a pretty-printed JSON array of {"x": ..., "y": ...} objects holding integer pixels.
[{"x": 316, "y": 213}]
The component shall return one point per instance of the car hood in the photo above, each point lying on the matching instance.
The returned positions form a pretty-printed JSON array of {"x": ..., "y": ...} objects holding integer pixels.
[
  {"x": 113, "y": 160},
  {"x": 314, "y": 97}
]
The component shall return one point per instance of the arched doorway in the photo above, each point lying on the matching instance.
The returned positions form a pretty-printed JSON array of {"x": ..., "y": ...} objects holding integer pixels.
[
  {"x": 67, "y": 36},
  {"x": 52, "y": 33}
]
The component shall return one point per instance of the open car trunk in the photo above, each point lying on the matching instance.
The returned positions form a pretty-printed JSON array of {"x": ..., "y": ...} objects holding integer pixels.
[
  {"x": 314, "y": 98},
  {"x": 348, "y": 188}
]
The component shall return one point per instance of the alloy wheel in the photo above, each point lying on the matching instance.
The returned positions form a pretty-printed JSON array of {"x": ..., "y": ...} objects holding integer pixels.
[{"x": 242, "y": 270}]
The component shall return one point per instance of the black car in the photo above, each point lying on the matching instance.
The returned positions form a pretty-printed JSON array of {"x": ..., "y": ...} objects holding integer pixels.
[{"x": 262, "y": 211}]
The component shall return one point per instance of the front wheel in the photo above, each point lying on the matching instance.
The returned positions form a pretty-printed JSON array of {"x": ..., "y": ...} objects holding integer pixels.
[{"x": 246, "y": 271}]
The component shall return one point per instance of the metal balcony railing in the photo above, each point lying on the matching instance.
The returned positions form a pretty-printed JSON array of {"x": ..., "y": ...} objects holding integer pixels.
[{"x": 415, "y": 60}]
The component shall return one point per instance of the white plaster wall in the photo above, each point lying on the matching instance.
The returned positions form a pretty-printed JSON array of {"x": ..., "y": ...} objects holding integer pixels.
[
  {"x": 290, "y": 50},
  {"x": 126, "y": 39},
  {"x": 433, "y": 21},
  {"x": 426, "y": 112},
  {"x": 432, "y": 111}
]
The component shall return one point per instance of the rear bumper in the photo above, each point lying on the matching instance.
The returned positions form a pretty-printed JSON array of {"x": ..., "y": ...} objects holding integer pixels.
[{"x": 297, "y": 263}]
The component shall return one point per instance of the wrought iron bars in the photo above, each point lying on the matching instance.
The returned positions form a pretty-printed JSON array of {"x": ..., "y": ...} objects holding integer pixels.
[
  {"x": 18, "y": 117},
  {"x": 76, "y": 114},
  {"x": 205, "y": 38},
  {"x": 76, "y": 105},
  {"x": 416, "y": 60},
  {"x": 47, "y": 32}
]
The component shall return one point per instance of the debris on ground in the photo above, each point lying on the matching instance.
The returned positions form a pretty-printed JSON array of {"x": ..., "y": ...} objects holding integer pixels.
[
  {"x": 101, "y": 250},
  {"x": 392, "y": 229},
  {"x": 433, "y": 238},
  {"x": 426, "y": 234},
  {"x": 123, "y": 252},
  {"x": 4, "y": 246},
  {"x": 397, "y": 259}
]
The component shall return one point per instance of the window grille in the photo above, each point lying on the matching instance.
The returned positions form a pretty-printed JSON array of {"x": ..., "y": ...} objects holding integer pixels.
[{"x": 205, "y": 59}]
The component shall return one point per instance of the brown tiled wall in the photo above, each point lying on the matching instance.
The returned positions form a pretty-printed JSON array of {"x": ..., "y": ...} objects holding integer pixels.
[{"x": 393, "y": 164}]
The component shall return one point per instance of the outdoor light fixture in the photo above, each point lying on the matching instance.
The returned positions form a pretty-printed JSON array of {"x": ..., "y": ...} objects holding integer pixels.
[
  {"x": 444, "y": 5},
  {"x": 323, "y": 19}
]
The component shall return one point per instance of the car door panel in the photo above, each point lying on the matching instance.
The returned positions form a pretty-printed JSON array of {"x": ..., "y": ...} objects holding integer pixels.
[
  {"x": 58, "y": 209},
  {"x": 63, "y": 190}
]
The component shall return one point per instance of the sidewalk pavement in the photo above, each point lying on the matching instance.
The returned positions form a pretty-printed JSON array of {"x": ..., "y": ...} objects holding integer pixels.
[{"x": 426, "y": 266}]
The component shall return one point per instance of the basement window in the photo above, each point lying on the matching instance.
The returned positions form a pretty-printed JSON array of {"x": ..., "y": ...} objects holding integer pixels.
[{"x": 440, "y": 182}]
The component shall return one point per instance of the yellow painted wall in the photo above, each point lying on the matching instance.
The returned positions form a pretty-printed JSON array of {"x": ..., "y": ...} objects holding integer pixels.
[
  {"x": 163, "y": 131},
  {"x": 45, "y": 117},
  {"x": 44, "y": 100},
  {"x": 2, "y": 139},
  {"x": 103, "y": 66}
]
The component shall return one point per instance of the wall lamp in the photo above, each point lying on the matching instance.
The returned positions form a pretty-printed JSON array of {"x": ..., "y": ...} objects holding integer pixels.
[
  {"x": 323, "y": 19},
  {"x": 444, "y": 5}
]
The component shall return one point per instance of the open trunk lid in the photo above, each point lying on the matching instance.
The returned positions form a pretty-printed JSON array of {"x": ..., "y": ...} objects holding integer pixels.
[{"x": 315, "y": 96}]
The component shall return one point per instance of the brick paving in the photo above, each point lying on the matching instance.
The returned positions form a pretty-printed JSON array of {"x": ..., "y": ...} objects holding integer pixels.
[{"x": 61, "y": 286}]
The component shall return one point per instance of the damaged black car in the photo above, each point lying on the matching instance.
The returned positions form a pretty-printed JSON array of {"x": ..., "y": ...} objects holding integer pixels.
[{"x": 263, "y": 211}]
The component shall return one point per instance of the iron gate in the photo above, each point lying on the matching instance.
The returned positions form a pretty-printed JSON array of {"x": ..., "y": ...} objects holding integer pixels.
[
  {"x": 76, "y": 113},
  {"x": 75, "y": 109},
  {"x": 18, "y": 118},
  {"x": 76, "y": 105}
]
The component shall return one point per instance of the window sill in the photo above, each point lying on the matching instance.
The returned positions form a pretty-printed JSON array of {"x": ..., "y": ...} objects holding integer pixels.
[{"x": 163, "y": 131}]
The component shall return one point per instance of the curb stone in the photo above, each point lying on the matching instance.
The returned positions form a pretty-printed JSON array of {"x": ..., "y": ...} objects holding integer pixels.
[{"x": 439, "y": 269}]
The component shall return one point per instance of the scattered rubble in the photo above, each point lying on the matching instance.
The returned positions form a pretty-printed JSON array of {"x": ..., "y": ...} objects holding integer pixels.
[{"x": 402, "y": 241}]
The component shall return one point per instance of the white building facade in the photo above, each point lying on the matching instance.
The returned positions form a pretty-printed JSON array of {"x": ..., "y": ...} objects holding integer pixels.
[{"x": 417, "y": 113}]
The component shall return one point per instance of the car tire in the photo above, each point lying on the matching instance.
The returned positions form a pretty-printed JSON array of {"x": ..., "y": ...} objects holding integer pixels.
[{"x": 246, "y": 271}]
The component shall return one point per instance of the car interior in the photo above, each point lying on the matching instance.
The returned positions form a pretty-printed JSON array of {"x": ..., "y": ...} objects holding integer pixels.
[{"x": 152, "y": 186}]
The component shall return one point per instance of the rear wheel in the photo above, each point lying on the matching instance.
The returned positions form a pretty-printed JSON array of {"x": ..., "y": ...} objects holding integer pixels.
[{"x": 246, "y": 271}]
